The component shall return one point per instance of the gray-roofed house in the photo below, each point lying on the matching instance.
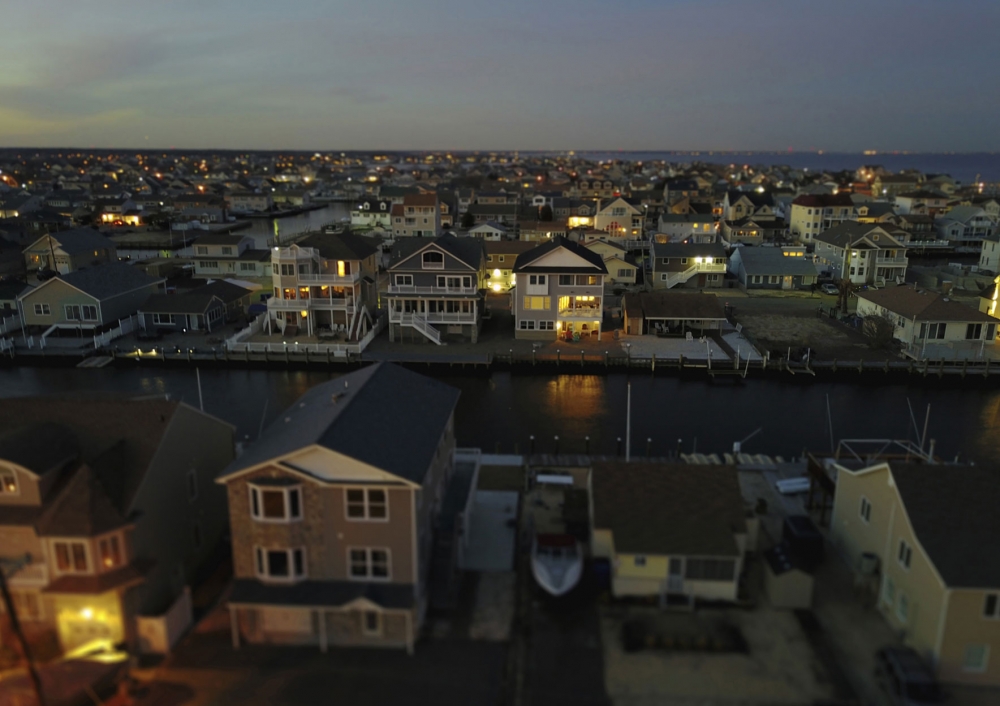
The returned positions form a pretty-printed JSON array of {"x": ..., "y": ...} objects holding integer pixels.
[
  {"x": 434, "y": 289},
  {"x": 224, "y": 254},
  {"x": 785, "y": 268},
  {"x": 695, "y": 265},
  {"x": 116, "y": 503},
  {"x": 932, "y": 529},
  {"x": 192, "y": 311},
  {"x": 88, "y": 299},
  {"x": 667, "y": 313},
  {"x": 669, "y": 529},
  {"x": 559, "y": 291},
  {"x": 864, "y": 253},
  {"x": 691, "y": 227},
  {"x": 965, "y": 226},
  {"x": 69, "y": 250},
  {"x": 333, "y": 527}
]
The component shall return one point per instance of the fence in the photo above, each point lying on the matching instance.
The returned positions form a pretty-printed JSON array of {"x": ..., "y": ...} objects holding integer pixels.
[
  {"x": 125, "y": 326},
  {"x": 6, "y": 345},
  {"x": 9, "y": 324},
  {"x": 256, "y": 326},
  {"x": 158, "y": 634},
  {"x": 338, "y": 350}
]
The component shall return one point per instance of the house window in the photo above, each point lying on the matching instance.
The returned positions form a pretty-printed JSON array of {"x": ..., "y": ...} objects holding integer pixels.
[
  {"x": 586, "y": 280},
  {"x": 367, "y": 504},
  {"x": 287, "y": 270},
  {"x": 973, "y": 332},
  {"x": 991, "y": 606},
  {"x": 623, "y": 272},
  {"x": 369, "y": 563},
  {"x": 865, "y": 510},
  {"x": 976, "y": 658},
  {"x": 192, "y": 485},
  {"x": 527, "y": 325},
  {"x": 755, "y": 279},
  {"x": 566, "y": 280},
  {"x": 276, "y": 504},
  {"x": 537, "y": 303},
  {"x": 433, "y": 260},
  {"x": 202, "y": 250},
  {"x": 210, "y": 264},
  {"x": 71, "y": 557},
  {"x": 163, "y": 319},
  {"x": 663, "y": 277},
  {"x": 404, "y": 280},
  {"x": 42, "y": 310},
  {"x": 500, "y": 259},
  {"x": 546, "y": 325},
  {"x": 639, "y": 561},
  {"x": 89, "y": 312},
  {"x": 8, "y": 483},
  {"x": 904, "y": 554},
  {"x": 226, "y": 250},
  {"x": 247, "y": 267},
  {"x": 280, "y": 564},
  {"x": 539, "y": 280},
  {"x": 110, "y": 552},
  {"x": 371, "y": 622},
  {"x": 902, "y": 607},
  {"x": 710, "y": 569}
]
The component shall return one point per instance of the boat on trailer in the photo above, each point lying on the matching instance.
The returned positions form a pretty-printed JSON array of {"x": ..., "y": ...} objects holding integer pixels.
[{"x": 556, "y": 562}]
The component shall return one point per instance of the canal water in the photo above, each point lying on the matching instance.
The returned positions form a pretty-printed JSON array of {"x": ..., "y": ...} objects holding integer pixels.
[
  {"x": 507, "y": 409},
  {"x": 288, "y": 226}
]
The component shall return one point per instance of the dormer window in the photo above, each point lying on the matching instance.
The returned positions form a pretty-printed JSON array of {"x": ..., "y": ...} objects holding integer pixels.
[
  {"x": 268, "y": 504},
  {"x": 367, "y": 205},
  {"x": 8, "y": 483},
  {"x": 433, "y": 260},
  {"x": 381, "y": 206},
  {"x": 110, "y": 552}
]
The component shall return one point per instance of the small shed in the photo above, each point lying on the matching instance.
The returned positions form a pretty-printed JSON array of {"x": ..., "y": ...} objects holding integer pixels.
[{"x": 787, "y": 583}]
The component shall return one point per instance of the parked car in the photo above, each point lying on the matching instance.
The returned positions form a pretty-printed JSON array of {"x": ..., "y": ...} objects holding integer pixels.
[
  {"x": 906, "y": 678},
  {"x": 829, "y": 289},
  {"x": 45, "y": 274}
]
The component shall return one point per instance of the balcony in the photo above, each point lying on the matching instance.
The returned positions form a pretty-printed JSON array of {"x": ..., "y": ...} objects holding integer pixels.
[
  {"x": 338, "y": 303},
  {"x": 588, "y": 313},
  {"x": 293, "y": 254},
  {"x": 435, "y": 317},
  {"x": 891, "y": 261},
  {"x": 330, "y": 278},
  {"x": 31, "y": 576},
  {"x": 412, "y": 289}
]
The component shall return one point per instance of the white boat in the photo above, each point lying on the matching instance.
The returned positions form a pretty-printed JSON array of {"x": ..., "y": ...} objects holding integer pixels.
[{"x": 556, "y": 562}]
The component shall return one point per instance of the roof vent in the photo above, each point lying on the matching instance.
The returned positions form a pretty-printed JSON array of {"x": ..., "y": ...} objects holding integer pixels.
[
  {"x": 345, "y": 384},
  {"x": 287, "y": 419},
  {"x": 302, "y": 404}
]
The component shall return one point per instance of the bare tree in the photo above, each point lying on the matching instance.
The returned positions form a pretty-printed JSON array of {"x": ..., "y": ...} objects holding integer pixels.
[
  {"x": 845, "y": 289},
  {"x": 879, "y": 329}
]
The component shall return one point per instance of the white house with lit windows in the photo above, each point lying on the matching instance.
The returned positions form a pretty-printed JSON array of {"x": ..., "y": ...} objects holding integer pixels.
[{"x": 620, "y": 219}]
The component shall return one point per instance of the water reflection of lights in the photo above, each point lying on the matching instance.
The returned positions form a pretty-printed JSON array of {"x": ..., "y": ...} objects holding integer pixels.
[{"x": 575, "y": 396}]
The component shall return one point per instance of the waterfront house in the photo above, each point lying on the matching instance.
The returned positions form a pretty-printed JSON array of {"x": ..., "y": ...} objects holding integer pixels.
[
  {"x": 250, "y": 201},
  {"x": 332, "y": 530},
  {"x": 235, "y": 296},
  {"x": 930, "y": 325},
  {"x": 811, "y": 214},
  {"x": 540, "y": 231},
  {"x": 864, "y": 253},
  {"x": 620, "y": 218},
  {"x": 930, "y": 529},
  {"x": 69, "y": 250},
  {"x": 418, "y": 216},
  {"x": 372, "y": 213},
  {"x": 324, "y": 284},
  {"x": 559, "y": 291},
  {"x": 690, "y": 227},
  {"x": 500, "y": 258},
  {"x": 88, "y": 299},
  {"x": 926, "y": 201},
  {"x": 694, "y": 265},
  {"x": 773, "y": 268},
  {"x": 965, "y": 226},
  {"x": 230, "y": 255},
  {"x": 434, "y": 289},
  {"x": 488, "y": 231},
  {"x": 989, "y": 255},
  {"x": 115, "y": 501},
  {"x": 887, "y": 186},
  {"x": 671, "y": 313},
  {"x": 876, "y": 212},
  {"x": 669, "y": 529},
  {"x": 188, "y": 312},
  {"x": 621, "y": 265}
]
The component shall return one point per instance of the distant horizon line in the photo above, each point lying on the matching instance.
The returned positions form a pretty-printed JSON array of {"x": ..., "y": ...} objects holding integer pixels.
[{"x": 690, "y": 152}]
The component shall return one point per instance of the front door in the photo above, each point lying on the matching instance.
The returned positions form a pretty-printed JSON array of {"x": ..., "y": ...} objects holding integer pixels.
[
  {"x": 786, "y": 282},
  {"x": 675, "y": 575}
]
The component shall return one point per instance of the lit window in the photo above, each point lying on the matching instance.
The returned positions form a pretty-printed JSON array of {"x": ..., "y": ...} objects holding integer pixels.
[
  {"x": 8, "y": 483},
  {"x": 110, "y": 552}
]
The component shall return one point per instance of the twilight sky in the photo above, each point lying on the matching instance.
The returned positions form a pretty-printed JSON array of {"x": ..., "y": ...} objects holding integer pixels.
[{"x": 544, "y": 74}]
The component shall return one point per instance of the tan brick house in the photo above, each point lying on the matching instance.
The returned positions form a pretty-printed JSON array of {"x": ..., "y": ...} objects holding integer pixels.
[{"x": 332, "y": 509}]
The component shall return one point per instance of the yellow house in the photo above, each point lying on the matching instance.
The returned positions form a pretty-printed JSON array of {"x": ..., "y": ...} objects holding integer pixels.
[
  {"x": 669, "y": 529},
  {"x": 935, "y": 532}
]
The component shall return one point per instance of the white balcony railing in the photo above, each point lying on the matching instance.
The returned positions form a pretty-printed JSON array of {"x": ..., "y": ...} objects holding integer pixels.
[
  {"x": 338, "y": 303},
  {"x": 31, "y": 576},
  {"x": 435, "y": 317},
  {"x": 580, "y": 313},
  {"x": 288, "y": 304},
  {"x": 412, "y": 289},
  {"x": 294, "y": 254},
  {"x": 330, "y": 278}
]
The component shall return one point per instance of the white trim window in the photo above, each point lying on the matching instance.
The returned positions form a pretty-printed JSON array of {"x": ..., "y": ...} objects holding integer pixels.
[
  {"x": 268, "y": 504},
  {"x": 404, "y": 280},
  {"x": 163, "y": 319},
  {"x": 8, "y": 482},
  {"x": 905, "y": 554},
  {"x": 865, "y": 510},
  {"x": 42, "y": 310},
  {"x": 366, "y": 504},
  {"x": 280, "y": 564},
  {"x": 371, "y": 623},
  {"x": 70, "y": 557},
  {"x": 369, "y": 563},
  {"x": 976, "y": 658},
  {"x": 110, "y": 552}
]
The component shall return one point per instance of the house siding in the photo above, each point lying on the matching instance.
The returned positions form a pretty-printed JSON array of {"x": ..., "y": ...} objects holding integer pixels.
[
  {"x": 57, "y": 294},
  {"x": 966, "y": 625}
]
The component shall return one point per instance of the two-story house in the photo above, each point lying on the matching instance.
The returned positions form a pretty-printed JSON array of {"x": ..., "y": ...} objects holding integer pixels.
[
  {"x": 811, "y": 214},
  {"x": 930, "y": 529},
  {"x": 692, "y": 227},
  {"x": 926, "y": 201},
  {"x": 864, "y": 253},
  {"x": 965, "y": 226},
  {"x": 332, "y": 529},
  {"x": 504, "y": 214},
  {"x": 69, "y": 250},
  {"x": 115, "y": 501},
  {"x": 540, "y": 231},
  {"x": 620, "y": 219},
  {"x": 743, "y": 204},
  {"x": 695, "y": 265},
  {"x": 325, "y": 282},
  {"x": 419, "y": 216},
  {"x": 559, "y": 291},
  {"x": 500, "y": 258},
  {"x": 434, "y": 289},
  {"x": 229, "y": 255},
  {"x": 371, "y": 213},
  {"x": 250, "y": 201}
]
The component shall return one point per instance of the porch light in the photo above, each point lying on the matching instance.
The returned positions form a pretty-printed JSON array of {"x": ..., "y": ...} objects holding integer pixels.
[
  {"x": 496, "y": 286},
  {"x": 496, "y": 273},
  {"x": 698, "y": 260},
  {"x": 87, "y": 613},
  {"x": 303, "y": 314},
  {"x": 708, "y": 260}
]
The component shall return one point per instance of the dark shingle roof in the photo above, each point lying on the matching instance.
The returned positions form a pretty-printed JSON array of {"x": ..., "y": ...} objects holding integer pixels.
[
  {"x": 82, "y": 509},
  {"x": 921, "y": 305},
  {"x": 108, "y": 279},
  {"x": 193, "y": 302},
  {"x": 80, "y": 240},
  {"x": 345, "y": 246},
  {"x": 524, "y": 260},
  {"x": 953, "y": 510},
  {"x": 344, "y": 415},
  {"x": 468, "y": 250},
  {"x": 772, "y": 261},
  {"x": 219, "y": 239},
  {"x": 845, "y": 234},
  {"x": 671, "y": 250},
  {"x": 321, "y": 593},
  {"x": 41, "y": 447},
  {"x": 674, "y": 305},
  {"x": 669, "y": 508},
  {"x": 226, "y": 291}
]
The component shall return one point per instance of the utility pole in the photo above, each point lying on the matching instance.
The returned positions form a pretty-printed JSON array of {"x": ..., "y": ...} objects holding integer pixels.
[{"x": 15, "y": 625}]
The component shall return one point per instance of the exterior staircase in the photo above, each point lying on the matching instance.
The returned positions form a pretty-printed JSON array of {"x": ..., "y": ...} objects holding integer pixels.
[{"x": 419, "y": 323}]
